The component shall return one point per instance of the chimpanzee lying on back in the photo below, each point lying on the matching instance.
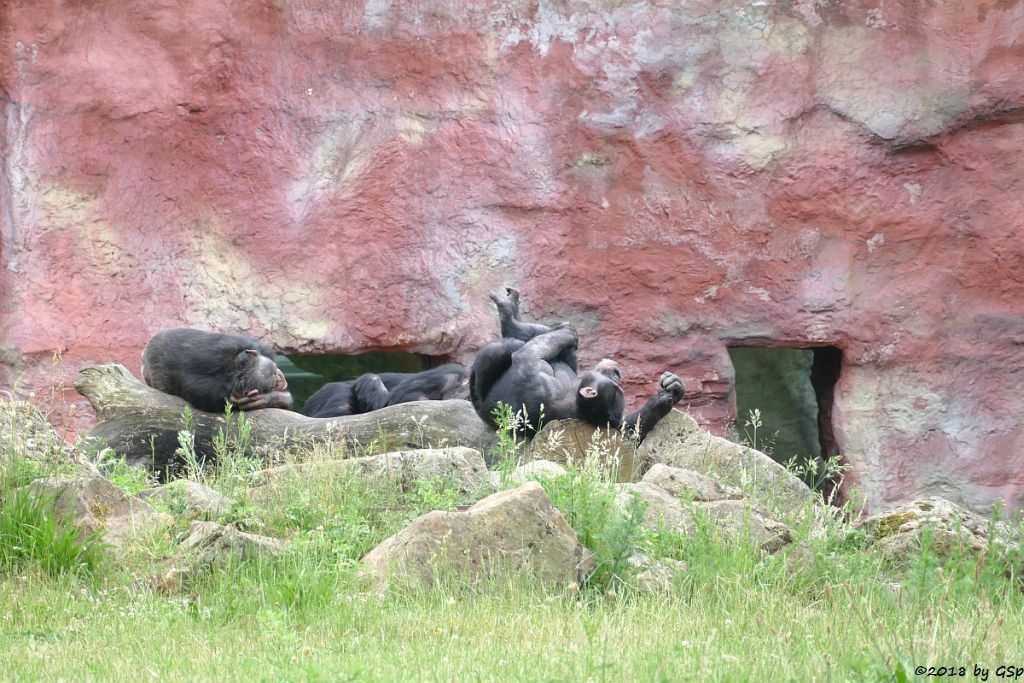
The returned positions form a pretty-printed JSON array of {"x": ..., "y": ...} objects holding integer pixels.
[
  {"x": 208, "y": 369},
  {"x": 534, "y": 365},
  {"x": 375, "y": 391}
]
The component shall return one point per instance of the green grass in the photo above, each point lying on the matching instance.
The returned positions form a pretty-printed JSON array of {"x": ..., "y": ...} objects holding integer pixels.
[
  {"x": 842, "y": 612},
  {"x": 306, "y": 617},
  {"x": 30, "y": 535}
]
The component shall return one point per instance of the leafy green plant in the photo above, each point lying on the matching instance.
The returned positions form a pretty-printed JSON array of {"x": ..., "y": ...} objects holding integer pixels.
[
  {"x": 234, "y": 463},
  {"x": 509, "y": 441},
  {"x": 433, "y": 494},
  {"x": 29, "y": 535},
  {"x": 113, "y": 467},
  {"x": 186, "y": 449},
  {"x": 586, "y": 495}
]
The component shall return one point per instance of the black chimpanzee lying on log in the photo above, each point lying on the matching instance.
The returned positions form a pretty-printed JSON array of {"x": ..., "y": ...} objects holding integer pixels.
[
  {"x": 535, "y": 365},
  {"x": 375, "y": 391},
  {"x": 209, "y": 369}
]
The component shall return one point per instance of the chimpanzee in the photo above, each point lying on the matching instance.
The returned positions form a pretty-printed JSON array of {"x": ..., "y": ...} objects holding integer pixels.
[
  {"x": 375, "y": 391},
  {"x": 534, "y": 366},
  {"x": 208, "y": 369},
  {"x": 332, "y": 400}
]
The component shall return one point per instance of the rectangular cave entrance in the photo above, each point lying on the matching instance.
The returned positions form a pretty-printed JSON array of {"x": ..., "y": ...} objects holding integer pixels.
[
  {"x": 793, "y": 389},
  {"x": 307, "y": 373}
]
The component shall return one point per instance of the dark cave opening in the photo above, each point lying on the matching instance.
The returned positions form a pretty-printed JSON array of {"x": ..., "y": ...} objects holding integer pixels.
[
  {"x": 793, "y": 389},
  {"x": 307, "y": 373}
]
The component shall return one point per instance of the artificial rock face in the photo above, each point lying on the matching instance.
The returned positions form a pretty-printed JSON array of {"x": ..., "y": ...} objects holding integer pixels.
[{"x": 673, "y": 179}]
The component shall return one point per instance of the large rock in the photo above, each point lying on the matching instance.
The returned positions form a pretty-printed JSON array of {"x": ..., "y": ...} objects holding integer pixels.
[
  {"x": 899, "y": 532},
  {"x": 210, "y": 542},
  {"x": 683, "y": 483},
  {"x": 94, "y": 505},
  {"x": 576, "y": 441},
  {"x": 736, "y": 520},
  {"x": 461, "y": 467},
  {"x": 679, "y": 441},
  {"x": 509, "y": 532},
  {"x": 662, "y": 510},
  {"x": 25, "y": 432},
  {"x": 655, "y": 576},
  {"x": 673, "y": 178},
  {"x": 529, "y": 471},
  {"x": 189, "y": 498}
]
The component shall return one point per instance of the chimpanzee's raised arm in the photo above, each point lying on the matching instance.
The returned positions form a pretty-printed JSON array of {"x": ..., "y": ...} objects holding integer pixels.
[{"x": 670, "y": 392}]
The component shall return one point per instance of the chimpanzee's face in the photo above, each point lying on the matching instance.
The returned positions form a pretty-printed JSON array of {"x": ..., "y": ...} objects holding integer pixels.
[
  {"x": 255, "y": 371},
  {"x": 599, "y": 397}
]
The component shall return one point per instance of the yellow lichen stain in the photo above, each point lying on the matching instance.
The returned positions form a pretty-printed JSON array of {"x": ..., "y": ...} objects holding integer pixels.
[
  {"x": 590, "y": 160},
  {"x": 474, "y": 104},
  {"x": 754, "y": 45},
  {"x": 413, "y": 128},
  {"x": 223, "y": 290},
  {"x": 64, "y": 209},
  {"x": 891, "y": 524},
  {"x": 311, "y": 330},
  {"x": 341, "y": 157},
  {"x": 760, "y": 151},
  {"x": 684, "y": 80}
]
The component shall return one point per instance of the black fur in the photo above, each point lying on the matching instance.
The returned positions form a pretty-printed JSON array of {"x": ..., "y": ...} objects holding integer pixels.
[
  {"x": 209, "y": 369},
  {"x": 375, "y": 391},
  {"x": 534, "y": 370}
]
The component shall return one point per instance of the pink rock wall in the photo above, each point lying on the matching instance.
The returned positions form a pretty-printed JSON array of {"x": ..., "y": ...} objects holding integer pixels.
[{"x": 672, "y": 177}]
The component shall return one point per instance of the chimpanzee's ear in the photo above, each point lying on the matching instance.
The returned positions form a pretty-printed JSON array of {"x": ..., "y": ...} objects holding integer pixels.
[
  {"x": 588, "y": 392},
  {"x": 252, "y": 352}
]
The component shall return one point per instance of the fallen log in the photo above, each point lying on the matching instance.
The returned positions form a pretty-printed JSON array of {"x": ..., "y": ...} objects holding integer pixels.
[{"x": 145, "y": 426}]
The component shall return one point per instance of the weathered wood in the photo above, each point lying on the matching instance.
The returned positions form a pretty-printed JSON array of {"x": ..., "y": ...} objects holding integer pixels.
[{"x": 142, "y": 424}]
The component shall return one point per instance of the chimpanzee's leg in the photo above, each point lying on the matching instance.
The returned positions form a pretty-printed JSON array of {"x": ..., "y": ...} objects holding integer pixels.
[
  {"x": 491, "y": 362},
  {"x": 557, "y": 345},
  {"x": 370, "y": 393},
  {"x": 333, "y": 399},
  {"x": 508, "y": 315}
]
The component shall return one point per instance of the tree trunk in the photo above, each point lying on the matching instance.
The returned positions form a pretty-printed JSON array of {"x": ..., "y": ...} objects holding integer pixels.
[{"x": 147, "y": 426}]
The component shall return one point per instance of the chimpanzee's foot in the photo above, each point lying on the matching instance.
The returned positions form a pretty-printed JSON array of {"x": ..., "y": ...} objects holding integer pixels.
[
  {"x": 671, "y": 384},
  {"x": 508, "y": 305}
]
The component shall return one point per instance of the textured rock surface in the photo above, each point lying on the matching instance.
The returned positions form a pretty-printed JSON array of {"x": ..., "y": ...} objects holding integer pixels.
[
  {"x": 462, "y": 467},
  {"x": 564, "y": 441},
  {"x": 733, "y": 519},
  {"x": 25, "y": 432},
  {"x": 93, "y": 504},
  {"x": 211, "y": 542},
  {"x": 672, "y": 178},
  {"x": 509, "y": 532},
  {"x": 952, "y": 528},
  {"x": 678, "y": 441},
  {"x": 535, "y": 469},
  {"x": 189, "y": 498},
  {"x": 662, "y": 510},
  {"x": 656, "y": 576},
  {"x": 208, "y": 544},
  {"x": 688, "y": 484}
]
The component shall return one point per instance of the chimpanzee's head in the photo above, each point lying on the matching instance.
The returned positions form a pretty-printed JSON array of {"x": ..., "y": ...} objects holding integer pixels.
[
  {"x": 253, "y": 370},
  {"x": 599, "y": 398}
]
